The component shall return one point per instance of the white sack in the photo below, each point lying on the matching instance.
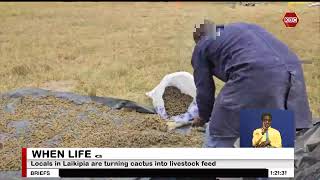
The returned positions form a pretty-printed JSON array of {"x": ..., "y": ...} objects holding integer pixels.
[{"x": 183, "y": 81}]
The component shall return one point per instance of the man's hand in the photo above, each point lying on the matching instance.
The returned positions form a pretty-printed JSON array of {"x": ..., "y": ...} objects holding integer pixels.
[
  {"x": 268, "y": 143},
  {"x": 260, "y": 145},
  {"x": 264, "y": 144},
  {"x": 264, "y": 130},
  {"x": 198, "y": 122}
]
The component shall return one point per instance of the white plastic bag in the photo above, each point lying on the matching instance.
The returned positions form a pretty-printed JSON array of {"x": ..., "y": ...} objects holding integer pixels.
[{"x": 183, "y": 81}]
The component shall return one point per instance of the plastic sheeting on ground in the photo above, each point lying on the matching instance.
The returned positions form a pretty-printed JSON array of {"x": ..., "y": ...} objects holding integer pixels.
[
  {"x": 79, "y": 99},
  {"x": 307, "y": 153}
]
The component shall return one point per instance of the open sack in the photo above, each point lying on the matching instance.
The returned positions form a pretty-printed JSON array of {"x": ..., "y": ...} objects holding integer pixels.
[{"x": 185, "y": 83}]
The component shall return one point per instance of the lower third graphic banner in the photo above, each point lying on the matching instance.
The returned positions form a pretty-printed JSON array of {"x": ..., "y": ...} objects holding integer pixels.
[{"x": 157, "y": 162}]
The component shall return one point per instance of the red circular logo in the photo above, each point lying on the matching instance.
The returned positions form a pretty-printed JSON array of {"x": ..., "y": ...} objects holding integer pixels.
[{"x": 290, "y": 19}]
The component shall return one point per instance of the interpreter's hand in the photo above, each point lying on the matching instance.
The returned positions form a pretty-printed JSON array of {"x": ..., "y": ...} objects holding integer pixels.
[
  {"x": 260, "y": 145},
  {"x": 268, "y": 143},
  {"x": 264, "y": 144},
  {"x": 264, "y": 130},
  {"x": 198, "y": 122}
]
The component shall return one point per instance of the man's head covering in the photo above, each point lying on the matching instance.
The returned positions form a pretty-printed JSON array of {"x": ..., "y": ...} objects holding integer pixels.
[{"x": 208, "y": 28}]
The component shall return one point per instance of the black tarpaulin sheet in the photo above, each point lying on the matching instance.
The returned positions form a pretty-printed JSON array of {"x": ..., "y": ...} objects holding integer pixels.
[
  {"x": 80, "y": 99},
  {"x": 307, "y": 153}
]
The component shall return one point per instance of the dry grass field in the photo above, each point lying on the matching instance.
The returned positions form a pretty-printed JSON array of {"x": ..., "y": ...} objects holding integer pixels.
[{"x": 124, "y": 49}]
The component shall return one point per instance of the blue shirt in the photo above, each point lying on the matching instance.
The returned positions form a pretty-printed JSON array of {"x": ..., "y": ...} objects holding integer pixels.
[{"x": 241, "y": 48}]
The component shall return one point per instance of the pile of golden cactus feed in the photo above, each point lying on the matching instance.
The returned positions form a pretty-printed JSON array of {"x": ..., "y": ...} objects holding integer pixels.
[{"x": 54, "y": 122}]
